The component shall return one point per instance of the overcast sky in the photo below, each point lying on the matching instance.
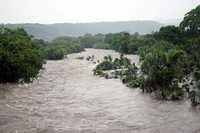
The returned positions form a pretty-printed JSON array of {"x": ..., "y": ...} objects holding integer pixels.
[{"x": 60, "y": 11}]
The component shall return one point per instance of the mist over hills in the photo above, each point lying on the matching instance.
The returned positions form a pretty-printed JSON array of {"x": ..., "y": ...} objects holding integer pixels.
[{"x": 51, "y": 31}]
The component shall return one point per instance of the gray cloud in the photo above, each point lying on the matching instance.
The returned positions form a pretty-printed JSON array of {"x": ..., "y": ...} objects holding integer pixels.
[{"x": 59, "y": 11}]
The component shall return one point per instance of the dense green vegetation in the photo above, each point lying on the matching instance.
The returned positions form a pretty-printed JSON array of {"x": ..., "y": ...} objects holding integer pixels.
[
  {"x": 62, "y": 46},
  {"x": 163, "y": 70},
  {"x": 20, "y": 58},
  {"x": 169, "y": 58},
  {"x": 118, "y": 68},
  {"x": 54, "y": 53}
]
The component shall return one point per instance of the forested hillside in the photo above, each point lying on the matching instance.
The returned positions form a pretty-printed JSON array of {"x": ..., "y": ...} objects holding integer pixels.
[{"x": 51, "y": 31}]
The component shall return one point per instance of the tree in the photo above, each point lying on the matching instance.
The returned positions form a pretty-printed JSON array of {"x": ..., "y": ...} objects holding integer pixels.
[
  {"x": 190, "y": 26},
  {"x": 124, "y": 41},
  {"x": 62, "y": 46},
  {"x": 20, "y": 59},
  {"x": 113, "y": 39},
  {"x": 87, "y": 41},
  {"x": 171, "y": 34},
  {"x": 118, "y": 41},
  {"x": 54, "y": 53},
  {"x": 162, "y": 71}
]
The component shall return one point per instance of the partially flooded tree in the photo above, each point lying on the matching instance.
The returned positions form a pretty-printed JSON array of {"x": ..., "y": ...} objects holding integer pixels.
[
  {"x": 20, "y": 58},
  {"x": 162, "y": 71}
]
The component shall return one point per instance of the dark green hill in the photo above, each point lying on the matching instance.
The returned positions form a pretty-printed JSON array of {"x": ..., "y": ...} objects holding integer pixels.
[{"x": 51, "y": 31}]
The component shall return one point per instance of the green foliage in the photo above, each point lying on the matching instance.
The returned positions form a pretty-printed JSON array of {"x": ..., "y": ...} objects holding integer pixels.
[
  {"x": 20, "y": 58},
  {"x": 139, "y": 43},
  {"x": 67, "y": 44},
  {"x": 40, "y": 43},
  {"x": 129, "y": 76},
  {"x": 123, "y": 69},
  {"x": 54, "y": 53},
  {"x": 190, "y": 26},
  {"x": 105, "y": 65},
  {"x": 134, "y": 46},
  {"x": 170, "y": 59},
  {"x": 163, "y": 70},
  {"x": 62, "y": 46},
  {"x": 123, "y": 42},
  {"x": 171, "y": 34},
  {"x": 118, "y": 41},
  {"x": 192, "y": 47},
  {"x": 151, "y": 45},
  {"x": 87, "y": 41},
  {"x": 126, "y": 43},
  {"x": 113, "y": 40},
  {"x": 101, "y": 45},
  {"x": 165, "y": 65},
  {"x": 93, "y": 41},
  {"x": 109, "y": 64}
]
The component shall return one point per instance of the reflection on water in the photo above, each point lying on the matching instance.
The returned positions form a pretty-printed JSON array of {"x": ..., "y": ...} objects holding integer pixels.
[{"x": 68, "y": 98}]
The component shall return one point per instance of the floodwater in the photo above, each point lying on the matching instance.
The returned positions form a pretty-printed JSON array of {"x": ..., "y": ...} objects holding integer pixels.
[{"x": 67, "y": 98}]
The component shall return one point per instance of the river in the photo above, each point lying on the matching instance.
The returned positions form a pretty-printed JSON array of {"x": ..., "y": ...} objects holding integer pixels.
[{"x": 67, "y": 98}]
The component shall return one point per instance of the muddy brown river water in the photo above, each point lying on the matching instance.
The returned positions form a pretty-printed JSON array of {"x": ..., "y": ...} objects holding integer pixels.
[{"x": 67, "y": 98}]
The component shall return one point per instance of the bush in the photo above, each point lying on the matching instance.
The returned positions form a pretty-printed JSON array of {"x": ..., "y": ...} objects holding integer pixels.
[
  {"x": 105, "y": 65},
  {"x": 123, "y": 69},
  {"x": 129, "y": 76}
]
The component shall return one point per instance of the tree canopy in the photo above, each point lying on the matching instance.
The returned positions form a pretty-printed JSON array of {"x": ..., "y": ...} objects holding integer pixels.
[
  {"x": 191, "y": 22},
  {"x": 20, "y": 59}
]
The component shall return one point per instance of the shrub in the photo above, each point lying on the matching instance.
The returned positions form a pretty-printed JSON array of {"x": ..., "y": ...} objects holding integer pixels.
[
  {"x": 105, "y": 65},
  {"x": 129, "y": 76}
]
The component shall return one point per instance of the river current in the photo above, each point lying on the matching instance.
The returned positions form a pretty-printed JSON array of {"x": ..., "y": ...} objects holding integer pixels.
[{"x": 67, "y": 98}]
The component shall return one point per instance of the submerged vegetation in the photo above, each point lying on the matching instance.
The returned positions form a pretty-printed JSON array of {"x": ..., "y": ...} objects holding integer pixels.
[
  {"x": 163, "y": 71},
  {"x": 118, "y": 68},
  {"x": 169, "y": 58}
]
